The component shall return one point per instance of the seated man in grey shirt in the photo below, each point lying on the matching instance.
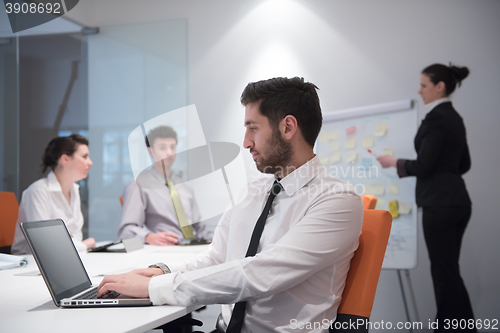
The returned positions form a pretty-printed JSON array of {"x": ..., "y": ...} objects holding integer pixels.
[{"x": 148, "y": 211}]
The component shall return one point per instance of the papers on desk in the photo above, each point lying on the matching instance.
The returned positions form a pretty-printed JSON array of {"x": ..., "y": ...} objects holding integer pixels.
[{"x": 10, "y": 261}]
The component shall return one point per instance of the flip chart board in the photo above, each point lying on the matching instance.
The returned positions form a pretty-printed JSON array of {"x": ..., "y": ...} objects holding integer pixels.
[{"x": 387, "y": 128}]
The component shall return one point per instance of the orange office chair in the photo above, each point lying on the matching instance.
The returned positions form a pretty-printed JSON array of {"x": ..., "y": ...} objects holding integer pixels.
[
  {"x": 9, "y": 209},
  {"x": 369, "y": 201},
  {"x": 121, "y": 200},
  {"x": 363, "y": 275}
]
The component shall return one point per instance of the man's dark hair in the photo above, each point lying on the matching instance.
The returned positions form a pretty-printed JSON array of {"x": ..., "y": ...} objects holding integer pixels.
[
  {"x": 163, "y": 132},
  {"x": 280, "y": 97}
]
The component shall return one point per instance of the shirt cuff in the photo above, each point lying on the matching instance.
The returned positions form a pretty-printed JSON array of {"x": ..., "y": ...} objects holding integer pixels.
[
  {"x": 80, "y": 247},
  {"x": 177, "y": 266},
  {"x": 400, "y": 166},
  {"x": 161, "y": 289},
  {"x": 142, "y": 233}
]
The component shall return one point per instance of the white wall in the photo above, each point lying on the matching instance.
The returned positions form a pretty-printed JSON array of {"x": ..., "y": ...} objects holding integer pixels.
[{"x": 358, "y": 53}]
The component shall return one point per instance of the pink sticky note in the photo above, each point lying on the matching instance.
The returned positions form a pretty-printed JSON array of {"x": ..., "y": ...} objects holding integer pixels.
[{"x": 350, "y": 130}]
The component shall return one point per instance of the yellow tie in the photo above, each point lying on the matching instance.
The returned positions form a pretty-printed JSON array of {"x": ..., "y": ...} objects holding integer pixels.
[{"x": 187, "y": 230}]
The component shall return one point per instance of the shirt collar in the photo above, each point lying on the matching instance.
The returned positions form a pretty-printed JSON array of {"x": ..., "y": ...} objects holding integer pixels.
[
  {"x": 301, "y": 176},
  {"x": 54, "y": 185},
  {"x": 430, "y": 106},
  {"x": 161, "y": 177}
]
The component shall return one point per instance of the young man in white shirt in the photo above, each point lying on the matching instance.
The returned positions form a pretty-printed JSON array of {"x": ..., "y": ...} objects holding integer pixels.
[{"x": 297, "y": 276}]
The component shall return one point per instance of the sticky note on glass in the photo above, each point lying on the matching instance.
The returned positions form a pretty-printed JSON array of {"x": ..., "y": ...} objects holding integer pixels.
[
  {"x": 350, "y": 143},
  {"x": 380, "y": 203},
  {"x": 388, "y": 151},
  {"x": 336, "y": 158},
  {"x": 393, "y": 188},
  {"x": 394, "y": 209},
  {"x": 375, "y": 189},
  {"x": 368, "y": 142},
  {"x": 350, "y": 130},
  {"x": 405, "y": 208},
  {"x": 381, "y": 128},
  {"x": 335, "y": 146},
  {"x": 352, "y": 156},
  {"x": 324, "y": 160},
  {"x": 366, "y": 162}
]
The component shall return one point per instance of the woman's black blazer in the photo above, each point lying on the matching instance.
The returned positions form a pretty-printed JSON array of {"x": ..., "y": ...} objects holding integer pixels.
[{"x": 442, "y": 158}]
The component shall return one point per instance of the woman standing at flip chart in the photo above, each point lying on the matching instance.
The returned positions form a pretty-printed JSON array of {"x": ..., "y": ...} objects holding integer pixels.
[
  {"x": 57, "y": 196},
  {"x": 442, "y": 158}
]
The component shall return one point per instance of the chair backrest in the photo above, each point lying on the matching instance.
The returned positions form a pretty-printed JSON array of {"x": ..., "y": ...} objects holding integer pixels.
[
  {"x": 121, "y": 200},
  {"x": 9, "y": 208},
  {"x": 369, "y": 201},
  {"x": 363, "y": 275}
]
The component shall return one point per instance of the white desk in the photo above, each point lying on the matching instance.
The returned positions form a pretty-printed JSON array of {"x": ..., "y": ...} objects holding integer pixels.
[{"x": 26, "y": 305}]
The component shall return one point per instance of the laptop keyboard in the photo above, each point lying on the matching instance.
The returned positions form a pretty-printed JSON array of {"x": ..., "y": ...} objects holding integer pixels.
[{"x": 92, "y": 294}]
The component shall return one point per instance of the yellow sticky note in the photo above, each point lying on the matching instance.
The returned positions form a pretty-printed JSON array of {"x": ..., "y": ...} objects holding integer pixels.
[
  {"x": 393, "y": 188},
  {"x": 380, "y": 203},
  {"x": 335, "y": 146},
  {"x": 394, "y": 209},
  {"x": 334, "y": 134},
  {"x": 381, "y": 128},
  {"x": 350, "y": 143},
  {"x": 375, "y": 189},
  {"x": 368, "y": 142},
  {"x": 328, "y": 135},
  {"x": 324, "y": 160},
  {"x": 352, "y": 156},
  {"x": 336, "y": 158},
  {"x": 388, "y": 151},
  {"x": 405, "y": 208},
  {"x": 323, "y": 137}
]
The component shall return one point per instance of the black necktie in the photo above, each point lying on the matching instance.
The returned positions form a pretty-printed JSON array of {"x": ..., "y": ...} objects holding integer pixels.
[{"x": 238, "y": 316}]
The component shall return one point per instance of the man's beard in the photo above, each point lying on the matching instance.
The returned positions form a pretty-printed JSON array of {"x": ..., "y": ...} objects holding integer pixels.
[{"x": 279, "y": 154}]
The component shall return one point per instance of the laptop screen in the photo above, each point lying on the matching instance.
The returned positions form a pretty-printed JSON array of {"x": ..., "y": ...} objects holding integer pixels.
[{"x": 57, "y": 258}]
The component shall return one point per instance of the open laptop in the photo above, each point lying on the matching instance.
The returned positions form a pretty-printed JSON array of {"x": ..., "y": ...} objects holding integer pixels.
[{"x": 63, "y": 270}]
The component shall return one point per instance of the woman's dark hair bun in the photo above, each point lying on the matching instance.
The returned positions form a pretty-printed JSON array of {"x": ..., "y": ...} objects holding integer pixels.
[
  {"x": 59, "y": 146},
  {"x": 459, "y": 73}
]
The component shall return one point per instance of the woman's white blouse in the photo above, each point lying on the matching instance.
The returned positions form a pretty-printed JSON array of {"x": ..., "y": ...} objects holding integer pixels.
[{"x": 44, "y": 200}]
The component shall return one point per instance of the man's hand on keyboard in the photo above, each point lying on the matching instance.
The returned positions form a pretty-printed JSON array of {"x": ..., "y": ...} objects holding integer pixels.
[{"x": 129, "y": 284}]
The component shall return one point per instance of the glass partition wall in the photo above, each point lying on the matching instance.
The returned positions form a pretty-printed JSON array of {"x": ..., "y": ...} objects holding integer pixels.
[
  {"x": 102, "y": 85},
  {"x": 136, "y": 72}
]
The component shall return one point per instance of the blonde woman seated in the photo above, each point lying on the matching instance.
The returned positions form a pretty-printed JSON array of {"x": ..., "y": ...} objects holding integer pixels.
[{"x": 57, "y": 196}]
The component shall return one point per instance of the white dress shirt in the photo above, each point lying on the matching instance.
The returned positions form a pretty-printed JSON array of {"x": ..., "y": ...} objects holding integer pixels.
[
  {"x": 44, "y": 200},
  {"x": 299, "y": 272},
  {"x": 148, "y": 208}
]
